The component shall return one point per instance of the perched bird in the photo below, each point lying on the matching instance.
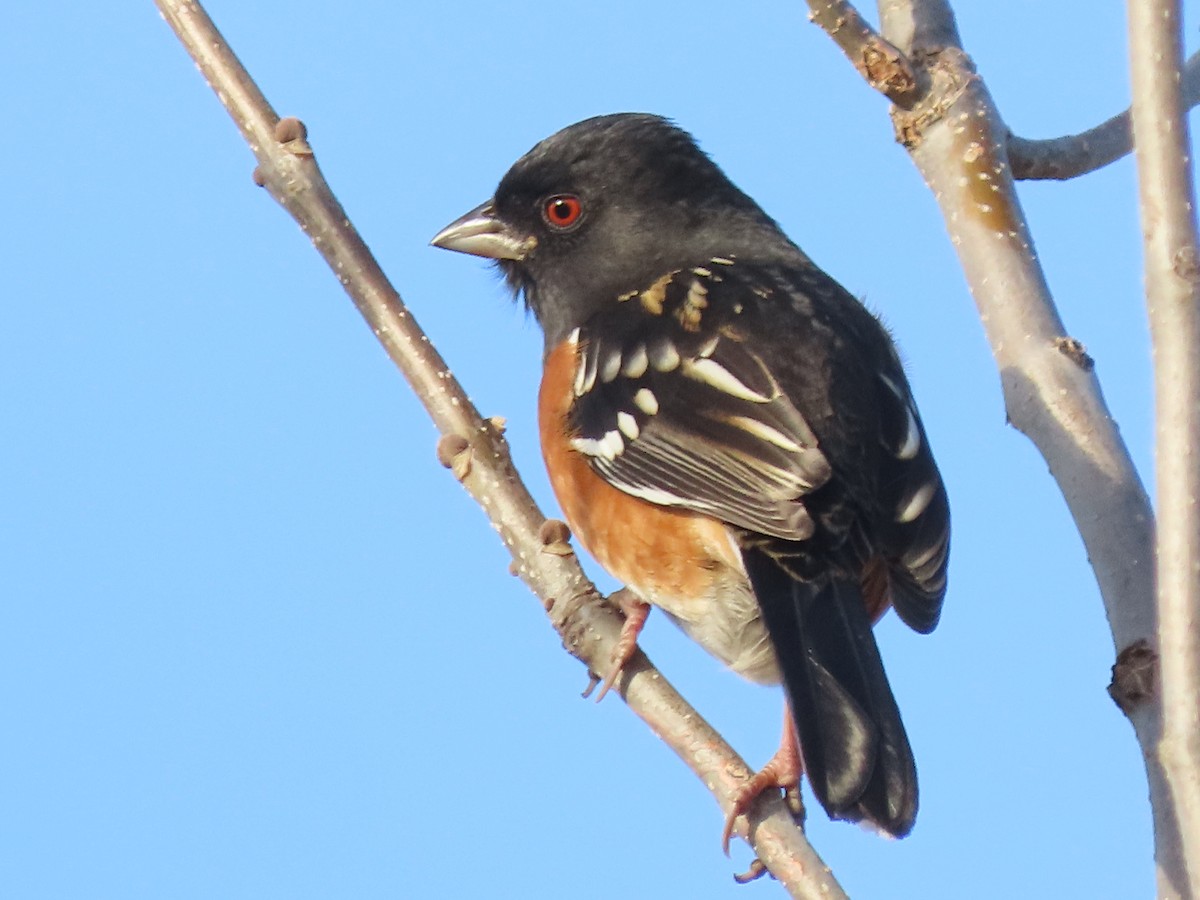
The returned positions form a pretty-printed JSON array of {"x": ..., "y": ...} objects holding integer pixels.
[{"x": 730, "y": 433}]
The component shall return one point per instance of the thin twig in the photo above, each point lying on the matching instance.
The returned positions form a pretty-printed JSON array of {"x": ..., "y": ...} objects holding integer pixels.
[
  {"x": 883, "y": 66},
  {"x": 1077, "y": 154},
  {"x": 1172, "y": 271},
  {"x": 476, "y": 451}
]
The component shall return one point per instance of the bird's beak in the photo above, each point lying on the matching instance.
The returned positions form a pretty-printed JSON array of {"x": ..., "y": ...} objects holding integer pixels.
[{"x": 479, "y": 232}]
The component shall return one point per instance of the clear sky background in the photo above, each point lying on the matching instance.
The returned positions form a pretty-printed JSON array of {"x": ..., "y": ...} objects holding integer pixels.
[{"x": 255, "y": 642}]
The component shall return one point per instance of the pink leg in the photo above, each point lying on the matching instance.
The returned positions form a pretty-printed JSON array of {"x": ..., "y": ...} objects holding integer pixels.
[
  {"x": 783, "y": 770},
  {"x": 636, "y": 612}
]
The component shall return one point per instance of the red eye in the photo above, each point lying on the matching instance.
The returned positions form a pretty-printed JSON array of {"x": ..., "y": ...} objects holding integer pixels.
[{"x": 562, "y": 210}]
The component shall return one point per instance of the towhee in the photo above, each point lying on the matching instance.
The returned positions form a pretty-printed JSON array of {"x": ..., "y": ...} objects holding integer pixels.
[{"x": 731, "y": 434}]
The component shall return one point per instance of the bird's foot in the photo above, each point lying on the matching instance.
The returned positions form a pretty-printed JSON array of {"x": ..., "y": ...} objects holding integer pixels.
[
  {"x": 636, "y": 611},
  {"x": 783, "y": 770}
]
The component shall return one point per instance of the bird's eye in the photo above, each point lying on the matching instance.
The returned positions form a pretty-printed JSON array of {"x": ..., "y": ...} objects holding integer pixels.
[{"x": 562, "y": 210}]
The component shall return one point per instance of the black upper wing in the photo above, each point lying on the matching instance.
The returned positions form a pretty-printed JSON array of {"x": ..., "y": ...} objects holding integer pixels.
[
  {"x": 771, "y": 400},
  {"x": 674, "y": 405}
]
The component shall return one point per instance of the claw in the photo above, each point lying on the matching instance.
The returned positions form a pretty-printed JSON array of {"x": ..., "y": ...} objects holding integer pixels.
[
  {"x": 756, "y": 871},
  {"x": 593, "y": 680},
  {"x": 636, "y": 612},
  {"x": 783, "y": 770}
]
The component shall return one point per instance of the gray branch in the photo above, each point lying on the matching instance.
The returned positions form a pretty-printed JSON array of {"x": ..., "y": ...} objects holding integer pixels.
[
  {"x": 883, "y": 66},
  {"x": 1172, "y": 281},
  {"x": 958, "y": 140},
  {"x": 1078, "y": 154}
]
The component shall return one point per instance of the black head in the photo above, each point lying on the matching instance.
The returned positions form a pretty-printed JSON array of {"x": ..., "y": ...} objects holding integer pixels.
[{"x": 607, "y": 206}]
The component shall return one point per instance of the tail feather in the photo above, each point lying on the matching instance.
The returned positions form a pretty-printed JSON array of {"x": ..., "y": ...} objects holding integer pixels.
[{"x": 856, "y": 752}]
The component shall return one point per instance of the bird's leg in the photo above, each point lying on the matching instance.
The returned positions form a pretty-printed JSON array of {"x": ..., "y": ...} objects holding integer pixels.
[
  {"x": 636, "y": 611},
  {"x": 783, "y": 770}
]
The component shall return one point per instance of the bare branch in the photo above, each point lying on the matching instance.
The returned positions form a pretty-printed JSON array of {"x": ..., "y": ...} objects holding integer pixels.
[
  {"x": 883, "y": 66},
  {"x": 921, "y": 26},
  {"x": 1078, "y": 154},
  {"x": 476, "y": 451},
  {"x": 955, "y": 136},
  {"x": 959, "y": 143},
  {"x": 1172, "y": 271}
]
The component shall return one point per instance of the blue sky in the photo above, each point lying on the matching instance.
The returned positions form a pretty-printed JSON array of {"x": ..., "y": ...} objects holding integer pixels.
[{"x": 257, "y": 643}]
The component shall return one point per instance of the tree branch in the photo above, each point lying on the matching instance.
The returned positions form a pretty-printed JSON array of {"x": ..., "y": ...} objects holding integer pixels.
[
  {"x": 883, "y": 66},
  {"x": 1172, "y": 281},
  {"x": 919, "y": 25},
  {"x": 956, "y": 137},
  {"x": 958, "y": 140},
  {"x": 478, "y": 454},
  {"x": 1078, "y": 154}
]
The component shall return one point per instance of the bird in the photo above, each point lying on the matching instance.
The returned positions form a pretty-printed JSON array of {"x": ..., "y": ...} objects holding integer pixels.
[{"x": 731, "y": 434}]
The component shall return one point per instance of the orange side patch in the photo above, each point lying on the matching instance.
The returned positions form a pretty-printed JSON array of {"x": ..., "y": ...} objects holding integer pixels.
[{"x": 663, "y": 554}]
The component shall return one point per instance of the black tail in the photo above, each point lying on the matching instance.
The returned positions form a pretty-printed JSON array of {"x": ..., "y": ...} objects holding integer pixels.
[{"x": 855, "y": 750}]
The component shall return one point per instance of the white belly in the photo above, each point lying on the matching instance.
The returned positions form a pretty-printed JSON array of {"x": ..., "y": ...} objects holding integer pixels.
[{"x": 730, "y": 627}]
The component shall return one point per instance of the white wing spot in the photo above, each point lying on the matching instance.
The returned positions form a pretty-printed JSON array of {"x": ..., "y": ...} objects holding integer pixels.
[
  {"x": 645, "y": 400},
  {"x": 663, "y": 355},
  {"x": 915, "y": 504},
  {"x": 722, "y": 261},
  {"x": 628, "y": 425},
  {"x": 652, "y": 495},
  {"x": 912, "y": 437},
  {"x": 702, "y": 272},
  {"x": 611, "y": 367},
  {"x": 614, "y": 444},
  {"x": 585, "y": 378},
  {"x": 608, "y": 447},
  {"x": 895, "y": 388},
  {"x": 708, "y": 347},
  {"x": 765, "y": 432},
  {"x": 716, "y": 375},
  {"x": 636, "y": 362},
  {"x": 579, "y": 374},
  {"x": 925, "y": 556}
]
